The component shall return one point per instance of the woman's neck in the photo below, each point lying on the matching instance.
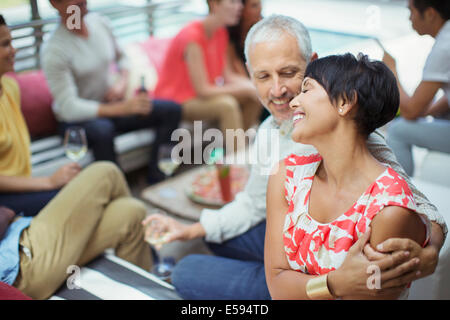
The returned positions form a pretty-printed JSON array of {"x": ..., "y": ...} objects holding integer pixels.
[
  {"x": 211, "y": 24},
  {"x": 346, "y": 158}
]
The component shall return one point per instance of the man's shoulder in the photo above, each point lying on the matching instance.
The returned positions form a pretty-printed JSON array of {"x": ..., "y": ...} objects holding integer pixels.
[
  {"x": 439, "y": 55},
  {"x": 268, "y": 123}
]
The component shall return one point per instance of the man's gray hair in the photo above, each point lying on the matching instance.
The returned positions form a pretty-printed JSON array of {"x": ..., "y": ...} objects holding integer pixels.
[{"x": 273, "y": 27}]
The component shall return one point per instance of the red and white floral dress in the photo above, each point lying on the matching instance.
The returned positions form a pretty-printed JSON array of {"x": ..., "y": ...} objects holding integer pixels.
[{"x": 318, "y": 248}]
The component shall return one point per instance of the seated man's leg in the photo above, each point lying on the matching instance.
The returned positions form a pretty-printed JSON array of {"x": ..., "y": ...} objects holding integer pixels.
[
  {"x": 211, "y": 277},
  {"x": 248, "y": 246},
  {"x": 27, "y": 203},
  {"x": 237, "y": 273},
  {"x": 164, "y": 118},
  {"x": 60, "y": 234},
  {"x": 100, "y": 134},
  {"x": 403, "y": 134}
]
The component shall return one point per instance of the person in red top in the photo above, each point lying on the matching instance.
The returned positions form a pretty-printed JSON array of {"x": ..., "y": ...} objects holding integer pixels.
[{"x": 197, "y": 74}]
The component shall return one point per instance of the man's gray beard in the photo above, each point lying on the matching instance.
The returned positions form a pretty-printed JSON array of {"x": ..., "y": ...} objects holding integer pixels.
[{"x": 285, "y": 126}]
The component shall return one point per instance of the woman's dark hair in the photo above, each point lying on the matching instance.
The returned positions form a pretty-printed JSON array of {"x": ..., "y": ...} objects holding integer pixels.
[
  {"x": 441, "y": 6},
  {"x": 370, "y": 84},
  {"x": 2, "y": 21},
  {"x": 234, "y": 33}
]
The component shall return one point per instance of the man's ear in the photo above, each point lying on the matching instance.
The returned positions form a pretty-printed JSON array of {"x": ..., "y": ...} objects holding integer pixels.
[
  {"x": 314, "y": 56},
  {"x": 430, "y": 14}
]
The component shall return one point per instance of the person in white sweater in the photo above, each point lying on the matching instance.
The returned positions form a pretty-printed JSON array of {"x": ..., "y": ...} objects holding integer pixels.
[{"x": 77, "y": 60}]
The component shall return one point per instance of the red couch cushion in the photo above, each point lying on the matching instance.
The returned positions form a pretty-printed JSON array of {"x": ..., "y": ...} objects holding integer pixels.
[
  {"x": 36, "y": 102},
  {"x": 10, "y": 293}
]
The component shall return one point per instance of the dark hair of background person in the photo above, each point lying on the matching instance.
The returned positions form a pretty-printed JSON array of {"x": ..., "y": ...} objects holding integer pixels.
[
  {"x": 234, "y": 33},
  {"x": 375, "y": 87},
  {"x": 441, "y": 6},
  {"x": 2, "y": 21}
]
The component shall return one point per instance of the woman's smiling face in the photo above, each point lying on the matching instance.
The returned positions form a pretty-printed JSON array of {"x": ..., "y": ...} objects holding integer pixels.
[{"x": 313, "y": 113}]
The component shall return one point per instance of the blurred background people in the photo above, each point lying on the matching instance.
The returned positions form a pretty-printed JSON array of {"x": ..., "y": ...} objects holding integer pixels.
[
  {"x": 197, "y": 74},
  {"x": 77, "y": 60},
  {"x": 428, "y": 17}
]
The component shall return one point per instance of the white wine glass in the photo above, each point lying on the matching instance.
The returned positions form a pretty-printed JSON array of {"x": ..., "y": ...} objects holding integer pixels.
[
  {"x": 163, "y": 265},
  {"x": 75, "y": 143},
  {"x": 166, "y": 163}
]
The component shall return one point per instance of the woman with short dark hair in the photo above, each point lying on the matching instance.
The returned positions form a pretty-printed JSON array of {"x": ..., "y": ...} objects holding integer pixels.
[{"x": 320, "y": 207}]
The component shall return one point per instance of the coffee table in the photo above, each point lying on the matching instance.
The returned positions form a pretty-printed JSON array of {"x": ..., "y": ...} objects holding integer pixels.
[
  {"x": 176, "y": 196},
  {"x": 170, "y": 195}
]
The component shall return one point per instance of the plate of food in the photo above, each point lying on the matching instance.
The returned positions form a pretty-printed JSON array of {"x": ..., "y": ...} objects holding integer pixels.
[{"x": 205, "y": 187}]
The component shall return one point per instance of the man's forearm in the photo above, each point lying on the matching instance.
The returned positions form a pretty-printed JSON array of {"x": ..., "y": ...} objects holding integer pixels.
[{"x": 196, "y": 230}]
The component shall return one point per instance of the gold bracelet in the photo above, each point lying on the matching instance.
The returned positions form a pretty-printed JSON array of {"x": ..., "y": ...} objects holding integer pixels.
[{"x": 317, "y": 288}]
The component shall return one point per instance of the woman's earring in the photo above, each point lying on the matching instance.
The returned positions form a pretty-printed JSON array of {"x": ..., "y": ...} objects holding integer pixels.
[{"x": 341, "y": 110}]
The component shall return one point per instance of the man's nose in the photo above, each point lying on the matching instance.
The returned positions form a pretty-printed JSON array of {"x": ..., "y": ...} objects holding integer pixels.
[{"x": 278, "y": 88}]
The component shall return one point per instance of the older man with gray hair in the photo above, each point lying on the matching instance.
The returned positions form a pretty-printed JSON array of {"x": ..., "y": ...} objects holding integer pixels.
[{"x": 277, "y": 50}]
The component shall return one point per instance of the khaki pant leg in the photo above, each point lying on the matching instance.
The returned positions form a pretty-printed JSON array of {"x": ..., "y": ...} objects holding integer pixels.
[
  {"x": 222, "y": 108},
  {"x": 58, "y": 235},
  {"x": 126, "y": 236}
]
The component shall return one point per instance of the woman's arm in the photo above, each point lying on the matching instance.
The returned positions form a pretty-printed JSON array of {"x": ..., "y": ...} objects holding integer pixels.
[
  {"x": 397, "y": 222},
  {"x": 30, "y": 184},
  {"x": 282, "y": 281},
  {"x": 198, "y": 74}
]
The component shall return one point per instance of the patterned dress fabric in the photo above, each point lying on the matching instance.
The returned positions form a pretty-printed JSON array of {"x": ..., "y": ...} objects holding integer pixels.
[{"x": 318, "y": 248}]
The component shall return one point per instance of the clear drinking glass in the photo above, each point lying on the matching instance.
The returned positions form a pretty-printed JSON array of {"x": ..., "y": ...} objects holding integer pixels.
[
  {"x": 162, "y": 268},
  {"x": 75, "y": 143},
  {"x": 166, "y": 163}
]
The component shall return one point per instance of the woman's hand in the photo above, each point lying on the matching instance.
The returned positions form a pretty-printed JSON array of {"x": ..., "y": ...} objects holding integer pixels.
[
  {"x": 63, "y": 176},
  {"x": 358, "y": 277}
]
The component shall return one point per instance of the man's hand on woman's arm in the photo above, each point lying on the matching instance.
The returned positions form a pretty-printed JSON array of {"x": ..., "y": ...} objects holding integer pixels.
[{"x": 428, "y": 256}]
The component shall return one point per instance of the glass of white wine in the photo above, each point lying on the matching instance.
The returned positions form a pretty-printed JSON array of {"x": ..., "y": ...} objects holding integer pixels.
[
  {"x": 75, "y": 143},
  {"x": 166, "y": 163},
  {"x": 163, "y": 265}
]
